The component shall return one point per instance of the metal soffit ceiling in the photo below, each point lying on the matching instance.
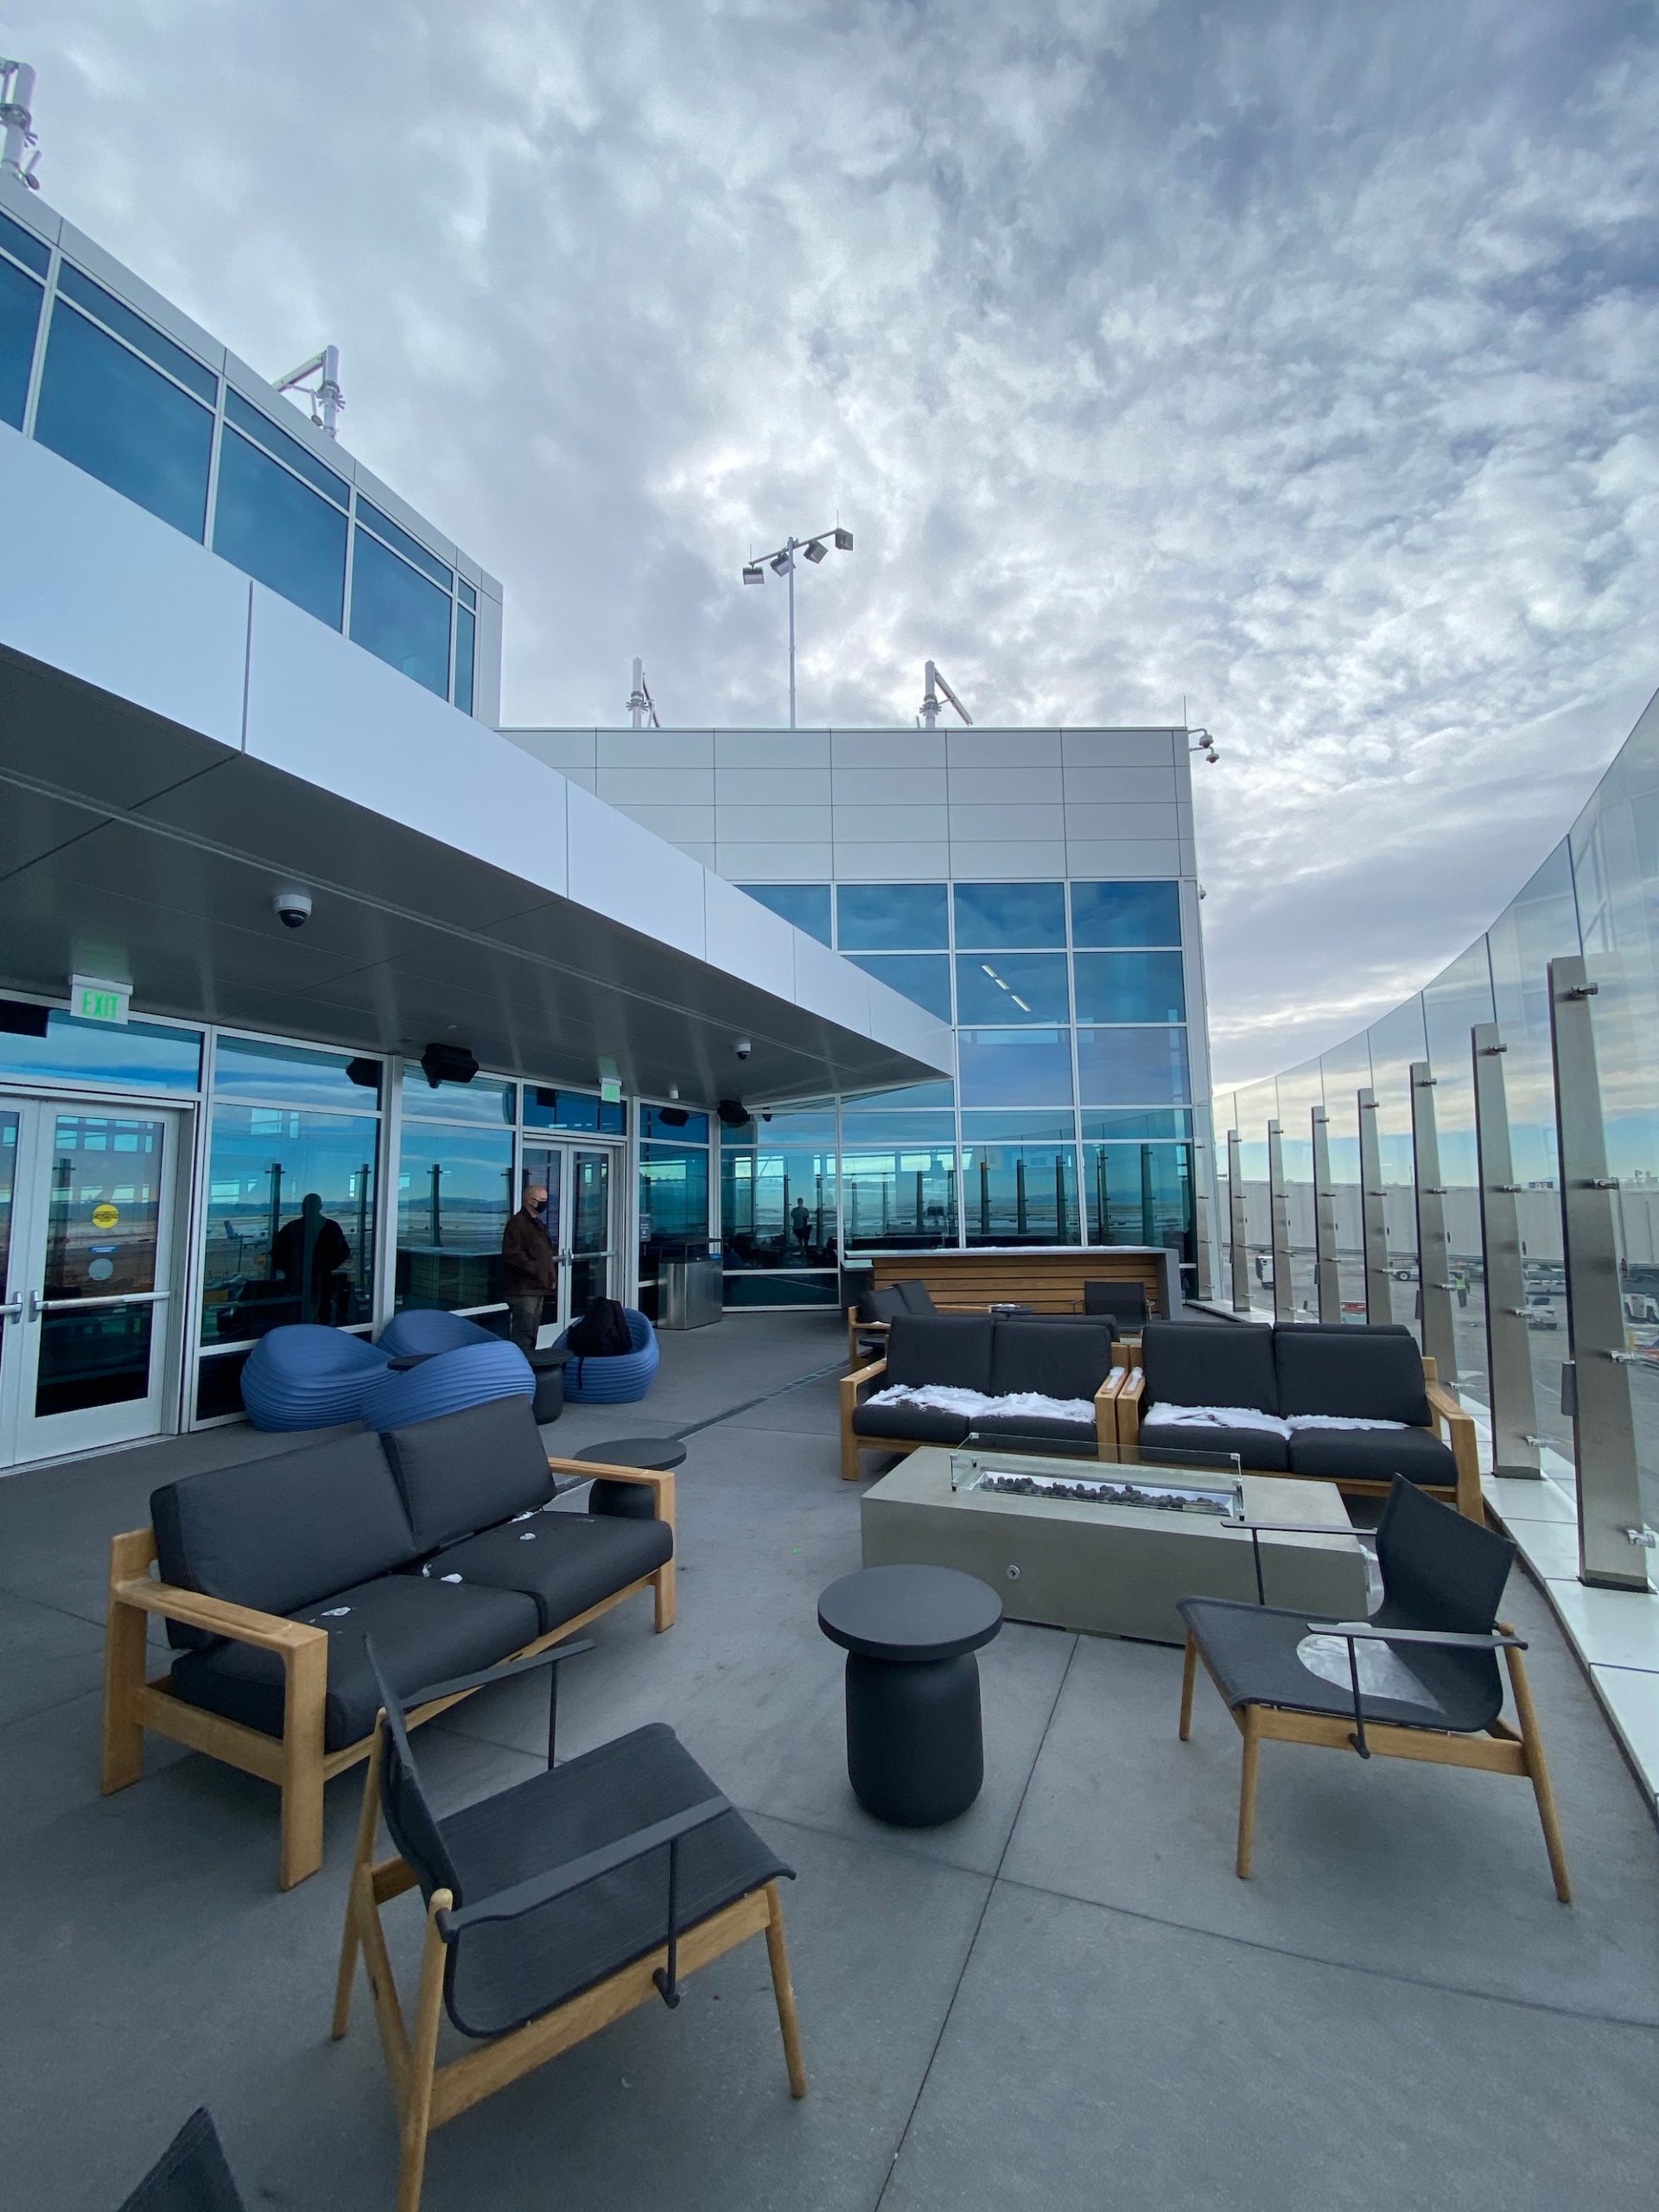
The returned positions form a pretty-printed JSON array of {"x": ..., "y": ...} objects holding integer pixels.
[{"x": 133, "y": 848}]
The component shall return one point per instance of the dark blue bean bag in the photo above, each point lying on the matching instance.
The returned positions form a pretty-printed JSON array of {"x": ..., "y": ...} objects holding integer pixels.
[
  {"x": 305, "y": 1375},
  {"x": 426, "y": 1329},
  {"x": 470, "y": 1376},
  {"x": 620, "y": 1380}
]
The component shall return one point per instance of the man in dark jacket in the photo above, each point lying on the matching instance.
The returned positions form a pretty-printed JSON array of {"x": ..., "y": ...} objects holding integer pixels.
[{"x": 530, "y": 1267}]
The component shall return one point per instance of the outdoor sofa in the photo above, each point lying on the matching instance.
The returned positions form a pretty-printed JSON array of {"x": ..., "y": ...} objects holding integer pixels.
[
  {"x": 1344, "y": 1404},
  {"x": 965, "y": 1356},
  {"x": 437, "y": 1540}
]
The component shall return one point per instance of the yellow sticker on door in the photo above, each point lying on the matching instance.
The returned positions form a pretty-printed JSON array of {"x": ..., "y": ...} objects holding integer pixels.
[{"x": 105, "y": 1216}]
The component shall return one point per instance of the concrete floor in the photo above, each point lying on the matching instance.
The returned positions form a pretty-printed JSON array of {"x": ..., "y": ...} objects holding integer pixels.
[{"x": 1065, "y": 1999}]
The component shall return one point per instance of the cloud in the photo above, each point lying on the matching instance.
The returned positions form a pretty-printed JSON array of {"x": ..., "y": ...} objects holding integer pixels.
[{"x": 1293, "y": 360}]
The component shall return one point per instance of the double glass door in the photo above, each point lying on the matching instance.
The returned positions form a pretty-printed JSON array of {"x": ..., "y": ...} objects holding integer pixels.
[
  {"x": 86, "y": 1290},
  {"x": 581, "y": 1193}
]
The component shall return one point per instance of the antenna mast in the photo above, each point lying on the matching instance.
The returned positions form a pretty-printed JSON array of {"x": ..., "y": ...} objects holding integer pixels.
[
  {"x": 639, "y": 699},
  {"x": 326, "y": 396},
  {"x": 17, "y": 90},
  {"x": 931, "y": 707}
]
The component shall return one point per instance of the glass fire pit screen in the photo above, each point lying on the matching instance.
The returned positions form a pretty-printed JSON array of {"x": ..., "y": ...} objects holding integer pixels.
[{"x": 1206, "y": 1484}]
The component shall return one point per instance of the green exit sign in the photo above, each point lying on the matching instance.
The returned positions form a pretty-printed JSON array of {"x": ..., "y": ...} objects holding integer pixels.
[
  {"x": 610, "y": 1090},
  {"x": 94, "y": 999}
]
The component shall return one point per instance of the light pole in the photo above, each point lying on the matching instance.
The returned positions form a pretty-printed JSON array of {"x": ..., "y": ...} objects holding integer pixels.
[{"x": 782, "y": 564}]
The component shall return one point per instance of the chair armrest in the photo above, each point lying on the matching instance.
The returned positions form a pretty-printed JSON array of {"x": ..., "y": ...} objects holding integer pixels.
[
  {"x": 1130, "y": 1393},
  {"x": 1109, "y": 1389},
  {"x": 853, "y": 1383},
  {"x": 542, "y": 1889},
  {"x": 660, "y": 1485},
  {"x": 265, "y": 1632},
  {"x": 1453, "y": 1640},
  {"x": 458, "y": 1683},
  {"x": 1443, "y": 1405}
]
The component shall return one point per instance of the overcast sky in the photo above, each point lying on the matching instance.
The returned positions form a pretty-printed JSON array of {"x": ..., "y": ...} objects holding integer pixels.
[{"x": 1296, "y": 358}]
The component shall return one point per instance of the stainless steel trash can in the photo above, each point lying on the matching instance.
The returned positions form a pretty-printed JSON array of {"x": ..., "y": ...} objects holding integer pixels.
[{"x": 689, "y": 1294}]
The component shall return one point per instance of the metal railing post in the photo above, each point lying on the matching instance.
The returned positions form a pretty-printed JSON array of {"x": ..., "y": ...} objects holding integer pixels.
[
  {"x": 1433, "y": 1245},
  {"x": 1241, "y": 1259},
  {"x": 1373, "y": 1218},
  {"x": 1596, "y": 1383},
  {"x": 1284, "y": 1301},
  {"x": 1327, "y": 1274},
  {"x": 1508, "y": 1354}
]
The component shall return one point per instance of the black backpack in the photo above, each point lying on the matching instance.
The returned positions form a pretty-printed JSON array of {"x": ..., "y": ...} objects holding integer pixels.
[{"x": 602, "y": 1332}]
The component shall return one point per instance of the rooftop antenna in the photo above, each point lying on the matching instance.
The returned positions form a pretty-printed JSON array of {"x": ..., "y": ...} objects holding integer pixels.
[
  {"x": 17, "y": 90},
  {"x": 326, "y": 396},
  {"x": 931, "y": 707},
  {"x": 640, "y": 703}
]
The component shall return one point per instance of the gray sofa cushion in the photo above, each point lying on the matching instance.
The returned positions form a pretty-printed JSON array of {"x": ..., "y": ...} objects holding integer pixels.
[
  {"x": 468, "y": 1470},
  {"x": 1040, "y": 1432},
  {"x": 423, "y": 1632},
  {"x": 1122, "y": 1302},
  {"x": 1369, "y": 1374},
  {"x": 881, "y": 1304},
  {"x": 911, "y": 1424},
  {"x": 950, "y": 1348},
  {"x": 917, "y": 1298},
  {"x": 1210, "y": 1364},
  {"x": 276, "y": 1534},
  {"x": 1257, "y": 1449},
  {"x": 1060, "y": 1359},
  {"x": 564, "y": 1561},
  {"x": 1373, "y": 1455}
]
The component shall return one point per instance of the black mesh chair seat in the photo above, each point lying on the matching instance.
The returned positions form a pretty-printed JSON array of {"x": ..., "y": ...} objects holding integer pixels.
[
  {"x": 507, "y": 1972},
  {"x": 190, "y": 2176},
  {"x": 1252, "y": 1653},
  {"x": 564, "y": 1562},
  {"x": 1374, "y": 1455}
]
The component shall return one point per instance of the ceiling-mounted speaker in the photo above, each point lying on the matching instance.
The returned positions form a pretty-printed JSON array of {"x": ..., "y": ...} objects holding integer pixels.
[
  {"x": 19, "y": 1019},
  {"x": 733, "y": 1114},
  {"x": 365, "y": 1073},
  {"x": 448, "y": 1064},
  {"x": 672, "y": 1118}
]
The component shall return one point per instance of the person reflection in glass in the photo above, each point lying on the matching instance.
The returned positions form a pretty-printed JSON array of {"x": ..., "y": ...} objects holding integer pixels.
[{"x": 306, "y": 1256}]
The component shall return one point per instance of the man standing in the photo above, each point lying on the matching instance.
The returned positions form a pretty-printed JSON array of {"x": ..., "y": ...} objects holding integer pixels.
[{"x": 529, "y": 1266}]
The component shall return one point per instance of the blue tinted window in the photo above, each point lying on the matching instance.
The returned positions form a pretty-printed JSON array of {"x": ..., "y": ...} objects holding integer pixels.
[
  {"x": 1141, "y": 1194},
  {"x": 109, "y": 413},
  {"x": 1028, "y": 1126},
  {"x": 1011, "y": 987},
  {"x": 1130, "y": 987},
  {"x": 1151, "y": 1122},
  {"x": 411, "y": 547},
  {"x": 911, "y": 1095},
  {"x": 465, "y": 648},
  {"x": 546, "y": 1109},
  {"x": 265, "y": 432},
  {"x": 274, "y": 529},
  {"x": 468, "y": 596},
  {"x": 1014, "y": 1067},
  {"x": 923, "y": 976},
  {"x": 805, "y": 905},
  {"x": 994, "y": 914},
  {"x": 1015, "y": 1192},
  {"x": 144, "y": 335},
  {"x": 485, "y": 1099},
  {"x": 1125, "y": 913},
  {"x": 98, "y": 1051},
  {"x": 20, "y": 318},
  {"x": 398, "y": 615},
  {"x": 1131, "y": 1066},
  {"x": 891, "y": 917},
  {"x": 454, "y": 1198},
  {"x": 677, "y": 1124},
  {"x": 265, "y": 1164},
  {"x": 294, "y": 1075},
  {"x": 900, "y": 1133},
  {"x": 32, "y": 252}
]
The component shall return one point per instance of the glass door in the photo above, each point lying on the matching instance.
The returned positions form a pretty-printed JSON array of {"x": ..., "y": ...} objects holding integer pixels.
[
  {"x": 89, "y": 1215},
  {"x": 582, "y": 1192}
]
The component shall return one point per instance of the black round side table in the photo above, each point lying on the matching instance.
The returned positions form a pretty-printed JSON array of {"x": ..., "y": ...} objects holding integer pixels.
[
  {"x": 654, "y": 1455},
  {"x": 548, "y": 1367},
  {"x": 915, "y": 1755}
]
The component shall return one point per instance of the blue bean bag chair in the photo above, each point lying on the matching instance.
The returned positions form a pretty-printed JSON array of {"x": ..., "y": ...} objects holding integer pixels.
[
  {"x": 425, "y": 1329},
  {"x": 620, "y": 1380},
  {"x": 306, "y": 1376},
  {"x": 471, "y": 1375}
]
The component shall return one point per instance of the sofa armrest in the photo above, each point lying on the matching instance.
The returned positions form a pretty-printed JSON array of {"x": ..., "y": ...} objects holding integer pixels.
[
  {"x": 1127, "y": 1406},
  {"x": 661, "y": 1486},
  {"x": 1106, "y": 1410},
  {"x": 1459, "y": 1426},
  {"x": 216, "y": 1616},
  {"x": 859, "y": 1381}
]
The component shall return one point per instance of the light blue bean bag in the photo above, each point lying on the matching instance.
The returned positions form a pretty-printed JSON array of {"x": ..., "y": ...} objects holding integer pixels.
[
  {"x": 306, "y": 1376},
  {"x": 622, "y": 1378},
  {"x": 426, "y": 1329},
  {"x": 471, "y": 1375}
]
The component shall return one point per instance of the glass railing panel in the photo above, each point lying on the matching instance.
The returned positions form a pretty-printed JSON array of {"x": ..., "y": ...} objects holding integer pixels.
[
  {"x": 1301, "y": 1089},
  {"x": 1459, "y": 997},
  {"x": 1347, "y": 1071},
  {"x": 1398, "y": 1040}
]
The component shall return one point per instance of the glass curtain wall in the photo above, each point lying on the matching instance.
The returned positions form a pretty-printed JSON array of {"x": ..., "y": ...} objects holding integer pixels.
[
  {"x": 779, "y": 1223},
  {"x": 456, "y": 1192},
  {"x": 1597, "y": 894},
  {"x": 129, "y": 404},
  {"x": 674, "y": 1193}
]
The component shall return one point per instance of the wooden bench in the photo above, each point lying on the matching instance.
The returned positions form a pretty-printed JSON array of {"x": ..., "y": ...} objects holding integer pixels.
[{"x": 1047, "y": 1280}]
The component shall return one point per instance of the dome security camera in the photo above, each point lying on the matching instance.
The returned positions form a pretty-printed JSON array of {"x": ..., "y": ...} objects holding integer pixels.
[
  {"x": 743, "y": 1048},
  {"x": 292, "y": 909}
]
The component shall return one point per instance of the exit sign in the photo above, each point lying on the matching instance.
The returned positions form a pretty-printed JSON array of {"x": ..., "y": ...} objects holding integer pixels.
[
  {"x": 610, "y": 1090},
  {"x": 94, "y": 999}
]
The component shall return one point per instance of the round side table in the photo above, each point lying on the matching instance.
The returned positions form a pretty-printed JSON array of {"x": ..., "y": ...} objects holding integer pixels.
[
  {"x": 654, "y": 1455},
  {"x": 915, "y": 1754}
]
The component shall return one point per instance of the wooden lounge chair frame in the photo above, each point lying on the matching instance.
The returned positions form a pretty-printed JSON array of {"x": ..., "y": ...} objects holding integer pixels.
[
  {"x": 296, "y": 1760},
  {"x": 1453, "y": 1423}
]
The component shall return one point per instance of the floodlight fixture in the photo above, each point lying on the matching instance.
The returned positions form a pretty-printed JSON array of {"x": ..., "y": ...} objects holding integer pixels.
[{"x": 782, "y": 564}]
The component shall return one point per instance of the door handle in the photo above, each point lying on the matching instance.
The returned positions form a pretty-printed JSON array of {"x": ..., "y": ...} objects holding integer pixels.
[{"x": 12, "y": 1310}]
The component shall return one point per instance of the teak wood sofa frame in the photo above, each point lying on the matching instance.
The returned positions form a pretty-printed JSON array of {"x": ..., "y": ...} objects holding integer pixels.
[
  {"x": 856, "y": 1386},
  {"x": 1452, "y": 1421},
  {"x": 972, "y": 1282},
  {"x": 296, "y": 1760}
]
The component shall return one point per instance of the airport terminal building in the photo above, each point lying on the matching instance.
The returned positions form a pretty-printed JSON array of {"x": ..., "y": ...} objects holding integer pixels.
[{"x": 284, "y": 914}]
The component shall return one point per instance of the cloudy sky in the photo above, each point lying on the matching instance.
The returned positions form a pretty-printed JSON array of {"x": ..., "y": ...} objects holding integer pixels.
[{"x": 1295, "y": 359}]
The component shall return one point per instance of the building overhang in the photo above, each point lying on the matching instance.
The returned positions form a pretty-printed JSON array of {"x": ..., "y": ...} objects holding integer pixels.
[{"x": 178, "y": 744}]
